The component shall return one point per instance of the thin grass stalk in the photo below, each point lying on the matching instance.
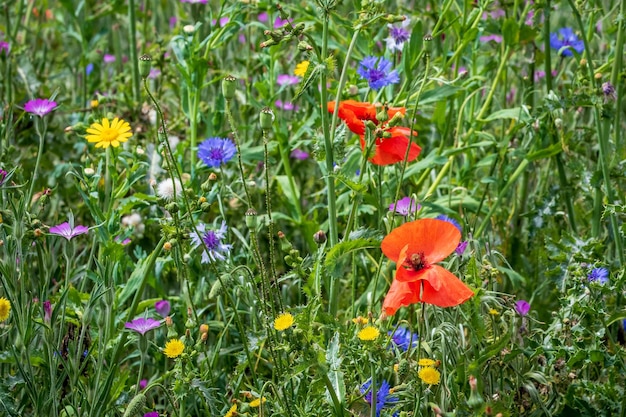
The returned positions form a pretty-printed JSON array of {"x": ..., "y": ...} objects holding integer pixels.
[{"x": 132, "y": 40}]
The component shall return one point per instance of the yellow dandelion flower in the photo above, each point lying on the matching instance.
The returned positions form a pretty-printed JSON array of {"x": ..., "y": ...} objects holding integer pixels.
[
  {"x": 257, "y": 402},
  {"x": 426, "y": 362},
  {"x": 283, "y": 322},
  {"x": 493, "y": 312},
  {"x": 5, "y": 309},
  {"x": 429, "y": 375},
  {"x": 396, "y": 367},
  {"x": 232, "y": 411},
  {"x": 368, "y": 333},
  {"x": 360, "y": 320},
  {"x": 107, "y": 133},
  {"x": 301, "y": 68},
  {"x": 174, "y": 348}
]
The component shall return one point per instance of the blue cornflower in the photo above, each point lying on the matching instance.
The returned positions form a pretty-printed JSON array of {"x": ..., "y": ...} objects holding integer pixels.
[
  {"x": 566, "y": 38},
  {"x": 450, "y": 220},
  {"x": 382, "y": 395},
  {"x": 600, "y": 275},
  {"x": 216, "y": 151},
  {"x": 212, "y": 239},
  {"x": 398, "y": 35},
  {"x": 377, "y": 72},
  {"x": 403, "y": 338}
]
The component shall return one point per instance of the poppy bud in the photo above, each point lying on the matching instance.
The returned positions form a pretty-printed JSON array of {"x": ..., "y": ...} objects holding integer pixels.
[
  {"x": 428, "y": 44},
  {"x": 145, "y": 65},
  {"x": 251, "y": 218},
  {"x": 229, "y": 87},
  {"x": 135, "y": 406}
]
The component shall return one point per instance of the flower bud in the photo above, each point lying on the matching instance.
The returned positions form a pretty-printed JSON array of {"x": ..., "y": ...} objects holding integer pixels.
[
  {"x": 381, "y": 113},
  {"x": 304, "y": 46},
  {"x": 167, "y": 246},
  {"x": 319, "y": 237},
  {"x": 172, "y": 207},
  {"x": 204, "y": 328},
  {"x": 251, "y": 218},
  {"x": 136, "y": 405},
  {"x": 145, "y": 65},
  {"x": 189, "y": 30},
  {"x": 266, "y": 118},
  {"x": 428, "y": 44},
  {"x": 229, "y": 86}
]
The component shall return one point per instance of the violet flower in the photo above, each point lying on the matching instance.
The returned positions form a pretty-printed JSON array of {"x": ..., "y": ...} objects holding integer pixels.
[
  {"x": 142, "y": 325},
  {"x": 522, "y": 307},
  {"x": 287, "y": 79},
  {"x": 39, "y": 106},
  {"x": 299, "y": 154},
  {"x": 163, "y": 308},
  {"x": 377, "y": 71},
  {"x": 599, "y": 275},
  {"x": 404, "y": 206},
  {"x": 398, "y": 35},
  {"x": 67, "y": 231}
]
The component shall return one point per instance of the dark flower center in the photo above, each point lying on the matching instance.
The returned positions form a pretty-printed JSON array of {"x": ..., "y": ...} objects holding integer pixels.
[
  {"x": 216, "y": 154},
  {"x": 211, "y": 240},
  {"x": 375, "y": 75},
  {"x": 417, "y": 262},
  {"x": 400, "y": 35}
]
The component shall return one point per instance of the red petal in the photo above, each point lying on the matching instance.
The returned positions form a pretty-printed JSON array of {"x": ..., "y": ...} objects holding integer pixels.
[
  {"x": 401, "y": 294},
  {"x": 451, "y": 292},
  {"x": 435, "y": 239}
]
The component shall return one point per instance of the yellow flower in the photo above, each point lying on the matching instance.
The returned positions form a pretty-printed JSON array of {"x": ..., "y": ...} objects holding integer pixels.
[
  {"x": 232, "y": 411},
  {"x": 360, "y": 320},
  {"x": 109, "y": 133},
  {"x": 429, "y": 375},
  {"x": 5, "y": 309},
  {"x": 493, "y": 312},
  {"x": 257, "y": 402},
  {"x": 301, "y": 68},
  {"x": 174, "y": 348},
  {"x": 283, "y": 322},
  {"x": 426, "y": 362},
  {"x": 368, "y": 333}
]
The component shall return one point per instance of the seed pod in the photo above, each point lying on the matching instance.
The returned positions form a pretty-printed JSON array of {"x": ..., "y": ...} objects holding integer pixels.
[{"x": 145, "y": 65}]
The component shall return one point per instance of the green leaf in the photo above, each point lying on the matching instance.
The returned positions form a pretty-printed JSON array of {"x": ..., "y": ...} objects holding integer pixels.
[
  {"x": 134, "y": 282},
  {"x": 283, "y": 181},
  {"x": 516, "y": 113},
  {"x": 619, "y": 316},
  {"x": 510, "y": 32},
  {"x": 437, "y": 94},
  {"x": 333, "y": 263},
  {"x": 333, "y": 359},
  {"x": 548, "y": 152}
]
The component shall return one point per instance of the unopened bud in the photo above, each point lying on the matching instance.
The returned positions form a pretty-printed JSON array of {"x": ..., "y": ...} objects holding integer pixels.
[
  {"x": 304, "y": 46},
  {"x": 145, "y": 65},
  {"x": 204, "y": 328},
  {"x": 266, "y": 118},
  {"x": 189, "y": 30},
  {"x": 229, "y": 86},
  {"x": 136, "y": 405},
  {"x": 319, "y": 237},
  {"x": 251, "y": 218}
]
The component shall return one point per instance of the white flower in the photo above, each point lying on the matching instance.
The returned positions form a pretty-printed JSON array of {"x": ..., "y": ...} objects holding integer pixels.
[{"x": 168, "y": 187}]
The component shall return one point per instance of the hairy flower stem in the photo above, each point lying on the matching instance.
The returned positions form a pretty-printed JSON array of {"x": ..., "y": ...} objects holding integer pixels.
[
  {"x": 233, "y": 129},
  {"x": 40, "y": 127},
  {"x": 603, "y": 142},
  {"x": 273, "y": 284}
]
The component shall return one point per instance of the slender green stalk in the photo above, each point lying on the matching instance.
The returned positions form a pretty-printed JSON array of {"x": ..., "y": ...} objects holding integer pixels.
[
  {"x": 273, "y": 284},
  {"x": 40, "y": 127},
  {"x": 132, "y": 40},
  {"x": 615, "y": 80},
  {"x": 233, "y": 129}
]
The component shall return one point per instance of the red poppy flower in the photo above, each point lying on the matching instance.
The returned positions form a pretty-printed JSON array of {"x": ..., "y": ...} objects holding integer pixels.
[
  {"x": 416, "y": 247},
  {"x": 387, "y": 151}
]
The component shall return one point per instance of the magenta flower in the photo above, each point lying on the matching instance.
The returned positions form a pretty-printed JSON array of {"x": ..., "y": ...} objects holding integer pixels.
[
  {"x": 460, "y": 248},
  {"x": 404, "y": 206},
  {"x": 67, "y": 231},
  {"x": 262, "y": 17},
  {"x": 4, "y": 46},
  {"x": 39, "y": 106},
  {"x": 162, "y": 308},
  {"x": 287, "y": 79},
  {"x": 487, "y": 38},
  {"x": 143, "y": 384},
  {"x": 109, "y": 59},
  {"x": 522, "y": 307},
  {"x": 151, "y": 414},
  {"x": 47, "y": 311},
  {"x": 3, "y": 175},
  {"x": 142, "y": 325},
  {"x": 287, "y": 105},
  {"x": 299, "y": 154}
]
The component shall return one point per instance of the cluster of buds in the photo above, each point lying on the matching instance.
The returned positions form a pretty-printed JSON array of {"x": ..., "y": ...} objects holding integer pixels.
[{"x": 285, "y": 33}]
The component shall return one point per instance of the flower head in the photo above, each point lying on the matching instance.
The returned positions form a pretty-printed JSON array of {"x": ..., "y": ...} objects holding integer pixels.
[
  {"x": 398, "y": 35},
  {"x": 39, "y": 106},
  {"x": 450, "y": 220},
  {"x": 105, "y": 133},
  {"x": 287, "y": 79},
  {"x": 174, "y": 348},
  {"x": 487, "y": 38},
  {"x": 162, "y": 307},
  {"x": 257, "y": 402},
  {"x": 599, "y": 275},
  {"x": 5, "y": 309},
  {"x": 283, "y": 322},
  {"x": 426, "y": 362},
  {"x": 368, "y": 333},
  {"x": 387, "y": 150},
  {"x": 299, "y": 154},
  {"x": 382, "y": 395},
  {"x": 403, "y": 338},
  {"x": 108, "y": 58},
  {"x": 5, "y": 47},
  {"x": 429, "y": 375},
  {"x": 169, "y": 188},
  {"x": 47, "y": 310},
  {"x": 212, "y": 239},
  {"x": 522, "y": 307},
  {"x": 460, "y": 249},
  {"x": 142, "y": 325},
  {"x": 152, "y": 414},
  {"x": 416, "y": 247},
  {"x": 566, "y": 40},
  {"x": 67, "y": 231},
  {"x": 216, "y": 151},
  {"x": 609, "y": 91},
  {"x": 404, "y": 206},
  {"x": 301, "y": 68},
  {"x": 3, "y": 175},
  {"x": 143, "y": 384},
  {"x": 232, "y": 411},
  {"x": 377, "y": 71},
  {"x": 287, "y": 105}
]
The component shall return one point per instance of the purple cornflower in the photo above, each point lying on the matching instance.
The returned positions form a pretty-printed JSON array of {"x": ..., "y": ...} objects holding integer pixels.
[
  {"x": 287, "y": 105},
  {"x": 566, "y": 40},
  {"x": 108, "y": 58},
  {"x": 377, "y": 71},
  {"x": 460, "y": 248},
  {"x": 522, "y": 307},
  {"x": 600, "y": 275},
  {"x": 142, "y": 325},
  {"x": 299, "y": 154},
  {"x": 4, "y": 46},
  {"x": 287, "y": 79},
  {"x": 403, "y": 338},
  {"x": 163, "y": 308},
  {"x": 450, "y": 220},
  {"x": 382, "y": 395},
  {"x": 487, "y": 38},
  {"x": 67, "y": 231},
  {"x": 215, "y": 250},
  {"x": 398, "y": 35},
  {"x": 39, "y": 106},
  {"x": 404, "y": 206},
  {"x": 216, "y": 151},
  {"x": 279, "y": 23},
  {"x": 609, "y": 91}
]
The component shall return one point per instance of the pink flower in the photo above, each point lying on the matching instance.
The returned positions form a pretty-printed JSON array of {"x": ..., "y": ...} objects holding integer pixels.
[
  {"x": 142, "y": 325},
  {"x": 109, "y": 59},
  {"x": 67, "y": 231},
  {"x": 40, "y": 106}
]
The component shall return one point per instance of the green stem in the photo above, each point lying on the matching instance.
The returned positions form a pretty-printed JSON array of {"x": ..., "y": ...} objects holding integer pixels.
[
  {"x": 273, "y": 284},
  {"x": 132, "y": 39},
  {"x": 233, "y": 129},
  {"x": 41, "y": 133}
]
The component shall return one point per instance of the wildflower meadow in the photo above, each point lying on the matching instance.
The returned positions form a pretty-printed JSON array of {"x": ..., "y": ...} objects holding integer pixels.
[{"x": 363, "y": 208}]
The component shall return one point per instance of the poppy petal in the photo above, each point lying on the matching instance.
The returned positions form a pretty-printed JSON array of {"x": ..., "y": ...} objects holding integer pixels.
[
  {"x": 392, "y": 150},
  {"x": 435, "y": 239},
  {"x": 401, "y": 294},
  {"x": 451, "y": 292}
]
